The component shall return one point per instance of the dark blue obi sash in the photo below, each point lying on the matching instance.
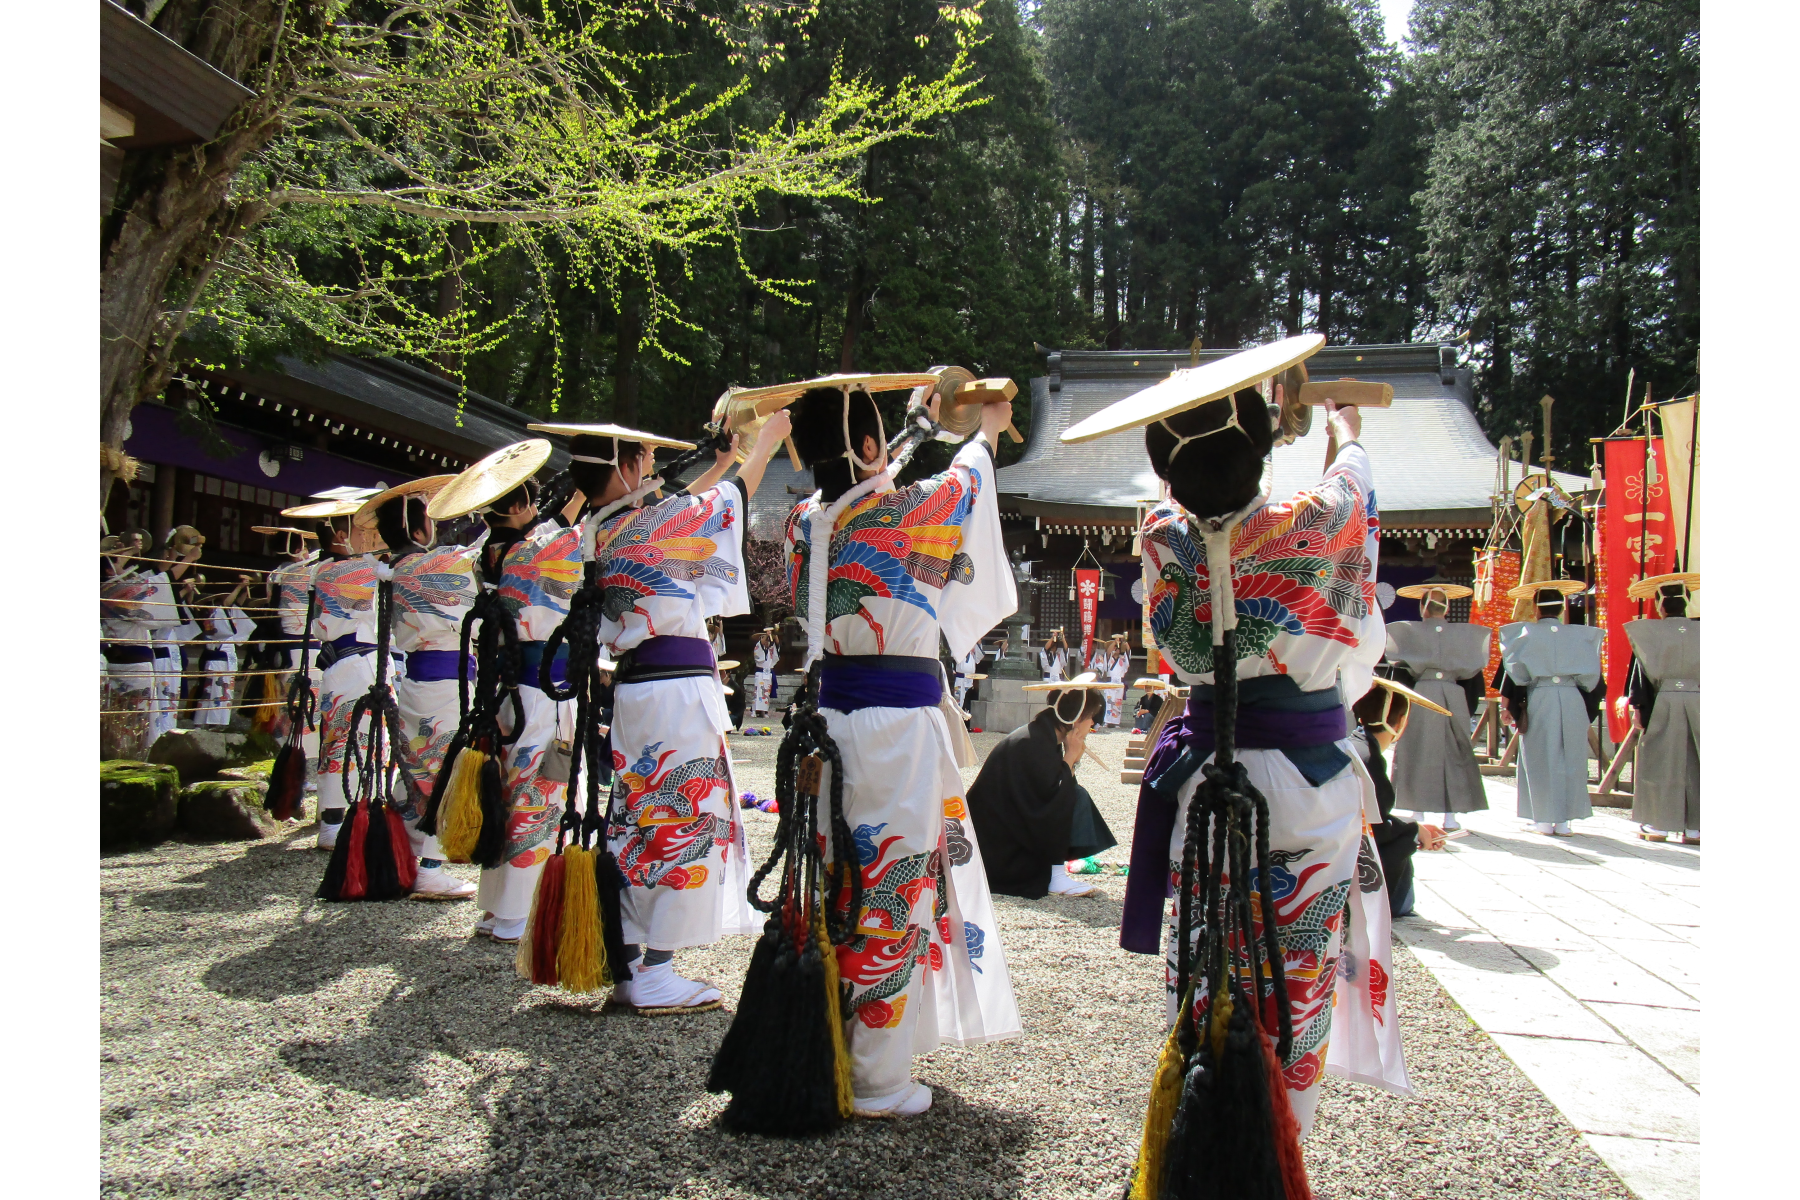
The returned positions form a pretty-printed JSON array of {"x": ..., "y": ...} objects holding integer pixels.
[
  {"x": 434, "y": 666},
  {"x": 849, "y": 682}
]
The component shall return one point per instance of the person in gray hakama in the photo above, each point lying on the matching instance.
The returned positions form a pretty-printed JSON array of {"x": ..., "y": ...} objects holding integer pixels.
[
  {"x": 1434, "y": 767},
  {"x": 1552, "y": 690},
  {"x": 1664, "y": 689}
]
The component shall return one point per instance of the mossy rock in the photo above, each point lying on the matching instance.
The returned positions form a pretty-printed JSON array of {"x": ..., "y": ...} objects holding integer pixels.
[
  {"x": 225, "y": 810},
  {"x": 256, "y": 772},
  {"x": 203, "y": 753},
  {"x": 139, "y": 803}
]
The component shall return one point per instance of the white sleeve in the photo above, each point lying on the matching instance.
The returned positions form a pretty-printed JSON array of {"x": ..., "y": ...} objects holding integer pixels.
[
  {"x": 968, "y": 610},
  {"x": 728, "y": 596},
  {"x": 241, "y": 626}
]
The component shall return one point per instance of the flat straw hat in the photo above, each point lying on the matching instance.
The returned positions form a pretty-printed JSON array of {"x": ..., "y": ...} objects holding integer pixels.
[
  {"x": 1195, "y": 386},
  {"x": 1400, "y": 689},
  {"x": 1568, "y": 587},
  {"x": 779, "y": 395},
  {"x": 305, "y": 533},
  {"x": 1087, "y": 681},
  {"x": 320, "y": 510},
  {"x": 363, "y": 538},
  {"x": 1419, "y": 591},
  {"x": 1644, "y": 589},
  {"x": 488, "y": 480},
  {"x": 619, "y": 433}
]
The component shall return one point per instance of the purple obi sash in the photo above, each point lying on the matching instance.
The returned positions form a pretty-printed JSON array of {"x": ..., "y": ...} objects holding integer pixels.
[
  {"x": 667, "y": 658},
  {"x": 122, "y": 653},
  {"x": 531, "y": 661},
  {"x": 435, "y": 666},
  {"x": 849, "y": 682},
  {"x": 1273, "y": 714}
]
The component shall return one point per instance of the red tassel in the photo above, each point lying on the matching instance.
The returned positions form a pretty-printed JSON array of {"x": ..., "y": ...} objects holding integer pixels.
[
  {"x": 356, "y": 875},
  {"x": 406, "y": 863},
  {"x": 1286, "y": 1128},
  {"x": 547, "y": 929}
]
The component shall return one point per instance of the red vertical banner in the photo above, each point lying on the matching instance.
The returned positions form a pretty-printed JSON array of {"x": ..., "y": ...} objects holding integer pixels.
[
  {"x": 1638, "y": 540},
  {"x": 1496, "y": 573},
  {"x": 1087, "y": 599}
]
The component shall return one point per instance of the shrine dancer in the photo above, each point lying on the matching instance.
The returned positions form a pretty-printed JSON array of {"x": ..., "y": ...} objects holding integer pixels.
[
  {"x": 434, "y": 588},
  {"x": 532, "y": 561},
  {"x": 134, "y": 604},
  {"x": 224, "y": 627},
  {"x": 766, "y": 652},
  {"x": 881, "y": 574},
  {"x": 1552, "y": 690},
  {"x": 1664, "y": 689},
  {"x": 1053, "y": 659},
  {"x": 344, "y": 628},
  {"x": 668, "y": 568},
  {"x": 1302, "y": 578},
  {"x": 1435, "y": 768},
  {"x": 1118, "y": 664}
]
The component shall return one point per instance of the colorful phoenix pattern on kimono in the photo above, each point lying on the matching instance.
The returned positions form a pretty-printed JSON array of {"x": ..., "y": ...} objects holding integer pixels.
[
  {"x": 886, "y": 545},
  {"x": 346, "y": 590},
  {"x": 123, "y": 598},
  {"x": 669, "y": 835},
  {"x": 1300, "y": 568},
  {"x": 654, "y": 551},
  {"x": 439, "y": 583},
  {"x": 542, "y": 573}
]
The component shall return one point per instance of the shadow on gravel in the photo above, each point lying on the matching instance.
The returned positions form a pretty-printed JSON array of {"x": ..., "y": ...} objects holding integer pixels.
[
  {"x": 219, "y": 887},
  {"x": 577, "y": 1134}
]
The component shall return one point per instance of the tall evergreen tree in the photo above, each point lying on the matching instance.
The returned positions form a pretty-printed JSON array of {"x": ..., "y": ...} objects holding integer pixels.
[{"x": 1561, "y": 212}]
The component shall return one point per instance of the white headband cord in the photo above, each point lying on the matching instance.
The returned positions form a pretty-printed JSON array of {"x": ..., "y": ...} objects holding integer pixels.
[
  {"x": 880, "y": 437},
  {"x": 1231, "y": 422}
]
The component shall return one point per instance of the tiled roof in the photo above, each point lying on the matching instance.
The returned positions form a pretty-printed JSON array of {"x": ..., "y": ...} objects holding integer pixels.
[
  {"x": 1428, "y": 453},
  {"x": 770, "y": 507}
]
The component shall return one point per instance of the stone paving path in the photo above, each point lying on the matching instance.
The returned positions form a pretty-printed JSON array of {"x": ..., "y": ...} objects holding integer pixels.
[{"x": 1580, "y": 956}]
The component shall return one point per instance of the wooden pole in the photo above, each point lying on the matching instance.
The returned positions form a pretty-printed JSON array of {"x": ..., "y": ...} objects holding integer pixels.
[{"x": 1610, "y": 781}]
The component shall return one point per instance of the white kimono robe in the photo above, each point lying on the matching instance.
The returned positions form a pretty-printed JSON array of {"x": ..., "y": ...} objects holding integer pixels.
[
  {"x": 766, "y": 658},
  {"x": 926, "y": 965},
  {"x": 346, "y": 589},
  {"x": 223, "y": 630},
  {"x": 169, "y": 644},
  {"x": 134, "y": 606},
  {"x": 674, "y": 823},
  {"x": 966, "y": 669},
  {"x": 539, "y": 575},
  {"x": 433, "y": 592},
  {"x": 1116, "y": 668},
  {"x": 289, "y": 585},
  {"x": 1055, "y": 666},
  {"x": 1303, "y": 574}
]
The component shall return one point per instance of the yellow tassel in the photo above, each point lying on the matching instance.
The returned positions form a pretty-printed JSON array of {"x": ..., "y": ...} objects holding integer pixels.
[
  {"x": 459, "y": 812},
  {"x": 1221, "y": 1015},
  {"x": 580, "y": 957},
  {"x": 522, "y": 959},
  {"x": 1165, "y": 1098},
  {"x": 840, "y": 1048}
]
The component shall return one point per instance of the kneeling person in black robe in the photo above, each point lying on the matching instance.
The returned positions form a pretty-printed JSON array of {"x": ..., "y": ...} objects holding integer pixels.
[
  {"x": 1381, "y": 717},
  {"x": 1031, "y": 816}
]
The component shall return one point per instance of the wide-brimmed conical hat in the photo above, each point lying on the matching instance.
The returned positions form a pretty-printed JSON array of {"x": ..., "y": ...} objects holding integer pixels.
[
  {"x": 1418, "y": 591},
  {"x": 1644, "y": 589},
  {"x": 1194, "y": 386},
  {"x": 322, "y": 510},
  {"x": 1400, "y": 689},
  {"x": 1568, "y": 587},
  {"x": 620, "y": 433},
  {"x": 488, "y": 480}
]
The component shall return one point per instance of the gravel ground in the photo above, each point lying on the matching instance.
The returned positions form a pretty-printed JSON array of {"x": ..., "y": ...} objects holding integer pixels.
[{"x": 257, "y": 1043}]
